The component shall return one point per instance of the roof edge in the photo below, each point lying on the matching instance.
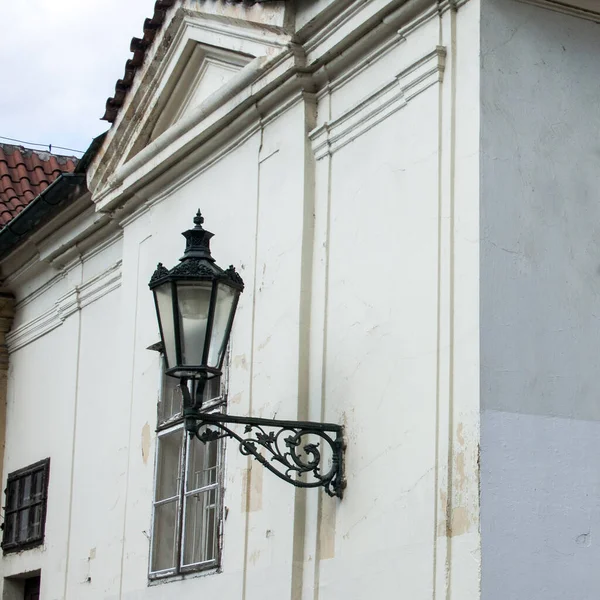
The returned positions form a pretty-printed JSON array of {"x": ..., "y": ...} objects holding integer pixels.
[
  {"x": 64, "y": 189},
  {"x": 138, "y": 47}
]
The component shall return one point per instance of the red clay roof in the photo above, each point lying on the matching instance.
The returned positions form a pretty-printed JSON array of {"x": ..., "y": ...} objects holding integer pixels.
[{"x": 24, "y": 174}]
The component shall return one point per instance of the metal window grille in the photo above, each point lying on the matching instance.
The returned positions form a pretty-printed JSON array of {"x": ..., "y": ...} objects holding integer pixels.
[
  {"x": 187, "y": 509},
  {"x": 25, "y": 511}
]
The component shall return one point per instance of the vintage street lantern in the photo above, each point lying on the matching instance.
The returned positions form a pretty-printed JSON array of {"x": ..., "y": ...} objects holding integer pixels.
[{"x": 195, "y": 305}]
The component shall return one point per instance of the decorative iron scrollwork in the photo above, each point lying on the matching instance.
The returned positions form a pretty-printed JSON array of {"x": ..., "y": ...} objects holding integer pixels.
[
  {"x": 192, "y": 268},
  {"x": 294, "y": 451},
  {"x": 234, "y": 275},
  {"x": 161, "y": 271}
]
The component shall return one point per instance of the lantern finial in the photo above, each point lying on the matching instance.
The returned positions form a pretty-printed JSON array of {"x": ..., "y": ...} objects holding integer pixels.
[
  {"x": 198, "y": 219},
  {"x": 198, "y": 240}
]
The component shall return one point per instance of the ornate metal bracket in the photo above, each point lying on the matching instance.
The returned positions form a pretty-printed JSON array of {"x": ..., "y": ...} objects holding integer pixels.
[{"x": 286, "y": 448}]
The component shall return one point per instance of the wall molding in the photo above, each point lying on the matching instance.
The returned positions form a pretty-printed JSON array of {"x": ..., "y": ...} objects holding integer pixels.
[
  {"x": 433, "y": 12},
  {"x": 409, "y": 83},
  {"x": 361, "y": 65},
  {"x": 74, "y": 300},
  {"x": 64, "y": 271},
  {"x": 333, "y": 26},
  {"x": 260, "y": 34},
  {"x": 42, "y": 289},
  {"x": 565, "y": 9}
]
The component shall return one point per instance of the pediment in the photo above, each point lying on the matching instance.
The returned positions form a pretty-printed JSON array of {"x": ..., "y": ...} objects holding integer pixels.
[
  {"x": 196, "y": 53},
  {"x": 202, "y": 71},
  {"x": 198, "y": 70}
]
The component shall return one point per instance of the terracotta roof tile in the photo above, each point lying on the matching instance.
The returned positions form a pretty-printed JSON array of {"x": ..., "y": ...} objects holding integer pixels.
[
  {"x": 24, "y": 174},
  {"x": 139, "y": 46}
]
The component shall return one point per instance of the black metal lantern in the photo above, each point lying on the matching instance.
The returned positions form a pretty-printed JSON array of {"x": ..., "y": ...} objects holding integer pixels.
[{"x": 195, "y": 304}]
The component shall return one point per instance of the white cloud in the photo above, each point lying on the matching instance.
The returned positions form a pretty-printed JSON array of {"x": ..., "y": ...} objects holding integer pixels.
[{"x": 61, "y": 59}]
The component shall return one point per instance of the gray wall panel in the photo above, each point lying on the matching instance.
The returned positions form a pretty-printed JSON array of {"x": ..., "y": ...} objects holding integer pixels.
[{"x": 540, "y": 303}]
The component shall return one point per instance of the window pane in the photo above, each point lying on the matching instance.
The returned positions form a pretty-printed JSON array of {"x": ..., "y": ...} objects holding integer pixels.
[
  {"x": 194, "y": 302},
  {"x": 168, "y": 472},
  {"x": 23, "y": 521},
  {"x": 225, "y": 298},
  {"x": 164, "y": 301},
  {"x": 35, "y": 526},
  {"x": 10, "y": 528},
  {"x": 171, "y": 401},
  {"x": 212, "y": 389},
  {"x": 200, "y": 527},
  {"x": 12, "y": 494},
  {"x": 25, "y": 490},
  {"x": 37, "y": 490},
  {"x": 164, "y": 536},
  {"x": 202, "y": 464}
]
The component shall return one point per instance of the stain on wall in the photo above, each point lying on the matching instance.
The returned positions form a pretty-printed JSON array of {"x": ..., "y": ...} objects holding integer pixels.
[
  {"x": 146, "y": 439},
  {"x": 327, "y": 530},
  {"x": 252, "y": 488}
]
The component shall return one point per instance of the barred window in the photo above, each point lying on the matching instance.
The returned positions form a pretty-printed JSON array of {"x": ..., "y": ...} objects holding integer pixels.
[
  {"x": 25, "y": 512},
  {"x": 187, "y": 491}
]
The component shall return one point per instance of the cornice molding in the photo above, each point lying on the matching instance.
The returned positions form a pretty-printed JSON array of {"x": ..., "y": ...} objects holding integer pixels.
[
  {"x": 274, "y": 38},
  {"x": 255, "y": 91},
  {"x": 368, "y": 60},
  {"x": 412, "y": 81},
  {"x": 566, "y": 9},
  {"x": 100, "y": 285},
  {"x": 64, "y": 271},
  {"x": 76, "y": 299},
  {"x": 325, "y": 33},
  {"x": 42, "y": 289}
]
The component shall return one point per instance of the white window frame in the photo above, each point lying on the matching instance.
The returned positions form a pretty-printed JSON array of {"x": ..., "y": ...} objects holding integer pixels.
[{"x": 164, "y": 428}]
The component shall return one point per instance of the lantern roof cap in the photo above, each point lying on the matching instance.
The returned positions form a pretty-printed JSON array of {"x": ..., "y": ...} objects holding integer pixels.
[{"x": 197, "y": 262}]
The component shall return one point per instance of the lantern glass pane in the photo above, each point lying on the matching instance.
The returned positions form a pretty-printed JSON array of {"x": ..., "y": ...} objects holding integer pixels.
[
  {"x": 164, "y": 304},
  {"x": 194, "y": 303},
  {"x": 225, "y": 300}
]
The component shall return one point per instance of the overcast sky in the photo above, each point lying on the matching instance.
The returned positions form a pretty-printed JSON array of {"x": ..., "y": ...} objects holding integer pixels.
[{"x": 60, "y": 62}]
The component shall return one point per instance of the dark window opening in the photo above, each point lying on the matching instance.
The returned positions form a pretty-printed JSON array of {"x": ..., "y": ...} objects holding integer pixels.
[
  {"x": 25, "y": 586},
  {"x": 32, "y": 588},
  {"x": 25, "y": 510}
]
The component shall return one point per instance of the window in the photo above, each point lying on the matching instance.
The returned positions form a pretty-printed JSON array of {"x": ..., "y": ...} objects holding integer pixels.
[
  {"x": 187, "y": 489},
  {"x": 22, "y": 587},
  {"x": 25, "y": 512}
]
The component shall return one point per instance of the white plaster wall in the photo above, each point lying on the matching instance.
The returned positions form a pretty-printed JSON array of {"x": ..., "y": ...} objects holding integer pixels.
[
  {"x": 539, "y": 297},
  {"x": 380, "y": 360},
  {"x": 40, "y": 409},
  {"x": 61, "y": 398},
  {"x": 400, "y": 349},
  {"x": 98, "y": 496}
]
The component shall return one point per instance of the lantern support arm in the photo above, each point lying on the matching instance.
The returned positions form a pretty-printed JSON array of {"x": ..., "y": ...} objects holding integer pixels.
[{"x": 304, "y": 453}]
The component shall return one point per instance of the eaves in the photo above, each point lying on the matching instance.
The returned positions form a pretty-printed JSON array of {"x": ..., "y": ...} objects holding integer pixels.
[{"x": 64, "y": 190}]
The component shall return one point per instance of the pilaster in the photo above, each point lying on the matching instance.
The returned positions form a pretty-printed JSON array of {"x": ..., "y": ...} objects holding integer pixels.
[{"x": 7, "y": 306}]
